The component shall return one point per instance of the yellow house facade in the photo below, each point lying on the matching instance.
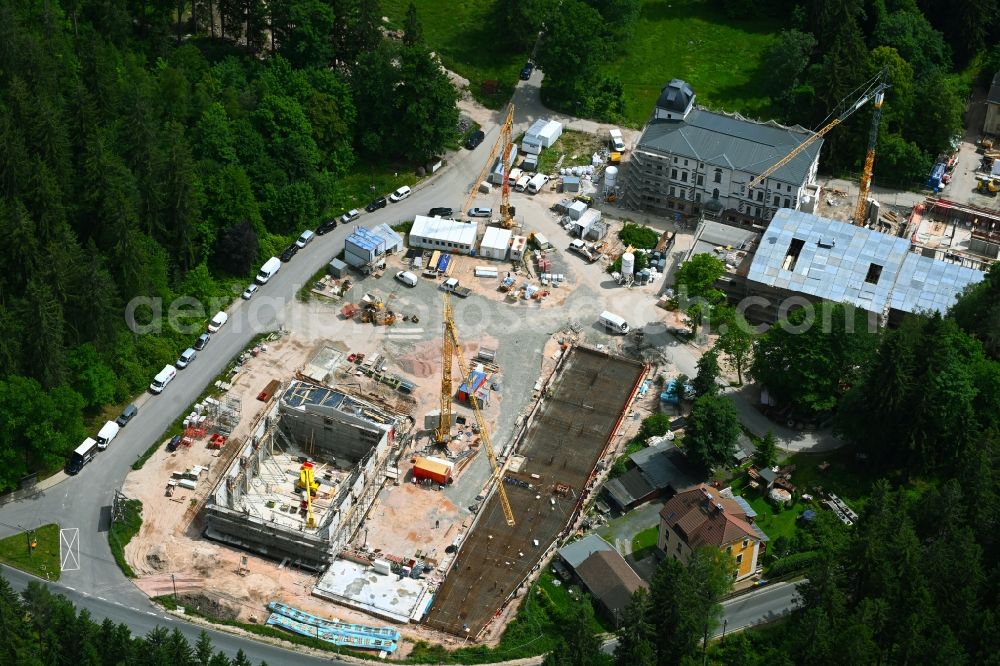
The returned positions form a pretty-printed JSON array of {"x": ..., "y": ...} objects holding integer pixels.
[{"x": 703, "y": 516}]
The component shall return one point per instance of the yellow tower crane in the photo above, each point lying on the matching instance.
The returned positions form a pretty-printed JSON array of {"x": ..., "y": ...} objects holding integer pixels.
[
  {"x": 502, "y": 147},
  {"x": 874, "y": 89},
  {"x": 443, "y": 432},
  {"x": 452, "y": 342}
]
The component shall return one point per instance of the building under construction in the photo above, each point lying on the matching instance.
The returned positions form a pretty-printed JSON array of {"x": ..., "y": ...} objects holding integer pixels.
[
  {"x": 303, "y": 481},
  {"x": 547, "y": 480}
]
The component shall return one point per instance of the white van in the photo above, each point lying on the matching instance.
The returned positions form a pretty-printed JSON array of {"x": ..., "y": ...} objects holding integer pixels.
[
  {"x": 617, "y": 140},
  {"x": 515, "y": 174},
  {"x": 268, "y": 270},
  {"x": 184, "y": 360},
  {"x": 536, "y": 184},
  {"x": 107, "y": 433},
  {"x": 407, "y": 278},
  {"x": 161, "y": 380},
  {"x": 614, "y": 323},
  {"x": 305, "y": 238},
  {"x": 400, "y": 194},
  {"x": 521, "y": 183},
  {"x": 218, "y": 321}
]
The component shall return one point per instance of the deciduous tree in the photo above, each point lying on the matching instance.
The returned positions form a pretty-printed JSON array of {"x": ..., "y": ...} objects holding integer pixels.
[{"x": 713, "y": 428}]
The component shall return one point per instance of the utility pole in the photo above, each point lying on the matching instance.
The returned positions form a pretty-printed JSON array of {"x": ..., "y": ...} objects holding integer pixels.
[{"x": 173, "y": 581}]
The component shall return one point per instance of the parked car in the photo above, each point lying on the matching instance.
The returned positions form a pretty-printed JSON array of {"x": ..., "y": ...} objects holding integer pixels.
[
  {"x": 350, "y": 216},
  {"x": 526, "y": 70},
  {"x": 184, "y": 360},
  {"x": 407, "y": 278},
  {"x": 475, "y": 139},
  {"x": 127, "y": 415},
  {"x": 218, "y": 321},
  {"x": 443, "y": 211},
  {"x": 381, "y": 202},
  {"x": 305, "y": 238},
  {"x": 400, "y": 194},
  {"x": 326, "y": 227},
  {"x": 289, "y": 252},
  {"x": 249, "y": 292},
  {"x": 480, "y": 212},
  {"x": 202, "y": 341},
  {"x": 174, "y": 442}
]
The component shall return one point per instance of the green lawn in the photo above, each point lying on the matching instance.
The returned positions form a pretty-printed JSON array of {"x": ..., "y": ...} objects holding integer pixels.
[
  {"x": 644, "y": 542},
  {"x": 463, "y": 34},
  {"x": 774, "y": 523},
  {"x": 121, "y": 533},
  {"x": 578, "y": 147},
  {"x": 693, "y": 40},
  {"x": 43, "y": 560},
  {"x": 849, "y": 478}
]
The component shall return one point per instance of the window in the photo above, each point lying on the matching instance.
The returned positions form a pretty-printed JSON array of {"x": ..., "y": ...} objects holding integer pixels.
[
  {"x": 697, "y": 197},
  {"x": 739, "y": 559},
  {"x": 684, "y": 176},
  {"x": 701, "y": 179},
  {"x": 715, "y": 193},
  {"x": 685, "y": 162},
  {"x": 874, "y": 272},
  {"x": 729, "y": 550},
  {"x": 787, "y": 202},
  {"x": 718, "y": 175},
  {"x": 673, "y": 191},
  {"x": 760, "y": 195},
  {"x": 673, "y": 173},
  {"x": 675, "y": 160},
  {"x": 746, "y": 542},
  {"x": 777, "y": 200}
]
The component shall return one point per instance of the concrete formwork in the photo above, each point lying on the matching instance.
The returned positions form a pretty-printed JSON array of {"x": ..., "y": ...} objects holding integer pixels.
[{"x": 563, "y": 439}]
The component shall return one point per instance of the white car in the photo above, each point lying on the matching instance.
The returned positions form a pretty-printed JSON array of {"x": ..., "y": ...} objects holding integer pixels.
[
  {"x": 480, "y": 212},
  {"x": 400, "y": 194},
  {"x": 218, "y": 321},
  {"x": 249, "y": 292}
]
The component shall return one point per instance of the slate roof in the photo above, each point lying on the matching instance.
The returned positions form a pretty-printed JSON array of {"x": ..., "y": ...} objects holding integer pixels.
[
  {"x": 835, "y": 260},
  {"x": 696, "y": 515},
  {"x": 575, "y": 553},
  {"x": 675, "y": 96},
  {"x": 628, "y": 488},
  {"x": 610, "y": 579},
  {"x": 663, "y": 466},
  {"x": 733, "y": 142}
]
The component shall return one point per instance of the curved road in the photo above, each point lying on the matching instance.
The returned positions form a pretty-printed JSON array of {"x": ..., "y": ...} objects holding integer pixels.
[{"x": 84, "y": 501}]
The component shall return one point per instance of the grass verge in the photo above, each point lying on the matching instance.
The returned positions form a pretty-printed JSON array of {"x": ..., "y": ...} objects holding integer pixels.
[
  {"x": 122, "y": 531},
  {"x": 168, "y": 602},
  {"x": 41, "y": 560}
]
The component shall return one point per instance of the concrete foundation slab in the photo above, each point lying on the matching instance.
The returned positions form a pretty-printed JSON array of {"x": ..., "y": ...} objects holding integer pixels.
[{"x": 387, "y": 596}]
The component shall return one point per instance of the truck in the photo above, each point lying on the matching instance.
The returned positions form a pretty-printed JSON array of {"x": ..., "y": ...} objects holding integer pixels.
[
  {"x": 937, "y": 174},
  {"x": 451, "y": 284},
  {"x": 583, "y": 249},
  {"x": 82, "y": 455},
  {"x": 617, "y": 140}
]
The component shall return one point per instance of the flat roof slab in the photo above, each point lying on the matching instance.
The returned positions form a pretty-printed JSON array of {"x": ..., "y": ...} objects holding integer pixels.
[{"x": 358, "y": 586}]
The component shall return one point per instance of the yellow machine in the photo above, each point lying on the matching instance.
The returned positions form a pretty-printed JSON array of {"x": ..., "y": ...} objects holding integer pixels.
[
  {"x": 988, "y": 186},
  {"x": 452, "y": 346},
  {"x": 875, "y": 90},
  {"x": 502, "y": 147},
  {"x": 307, "y": 484}
]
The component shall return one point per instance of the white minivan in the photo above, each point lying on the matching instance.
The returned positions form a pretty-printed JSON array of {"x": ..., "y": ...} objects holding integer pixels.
[
  {"x": 305, "y": 238},
  {"x": 407, "y": 278},
  {"x": 218, "y": 321},
  {"x": 522, "y": 183},
  {"x": 400, "y": 194},
  {"x": 613, "y": 322},
  {"x": 537, "y": 182},
  {"x": 106, "y": 434},
  {"x": 164, "y": 377},
  {"x": 268, "y": 270}
]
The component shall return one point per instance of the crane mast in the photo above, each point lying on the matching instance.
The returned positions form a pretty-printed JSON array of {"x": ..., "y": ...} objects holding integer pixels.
[
  {"x": 502, "y": 147},
  {"x": 443, "y": 432},
  {"x": 875, "y": 90},
  {"x": 861, "y": 208},
  {"x": 452, "y": 341}
]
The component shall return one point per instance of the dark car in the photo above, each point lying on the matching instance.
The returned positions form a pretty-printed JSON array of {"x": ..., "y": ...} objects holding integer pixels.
[
  {"x": 381, "y": 202},
  {"x": 326, "y": 227},
  {"x": 289, "y": 252},
  {"x": 526, "y": 72},
  {"x": 475, "y": 139},
  {"x": 202, "y": 341},
  {"x": 174, "y": 442},
  {"x": 442, "y": 211},
  {"x": 127, "y": 415}
]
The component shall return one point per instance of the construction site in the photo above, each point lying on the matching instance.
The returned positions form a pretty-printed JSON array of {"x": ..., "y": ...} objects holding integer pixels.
[{"x": 546, "y": 480}]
